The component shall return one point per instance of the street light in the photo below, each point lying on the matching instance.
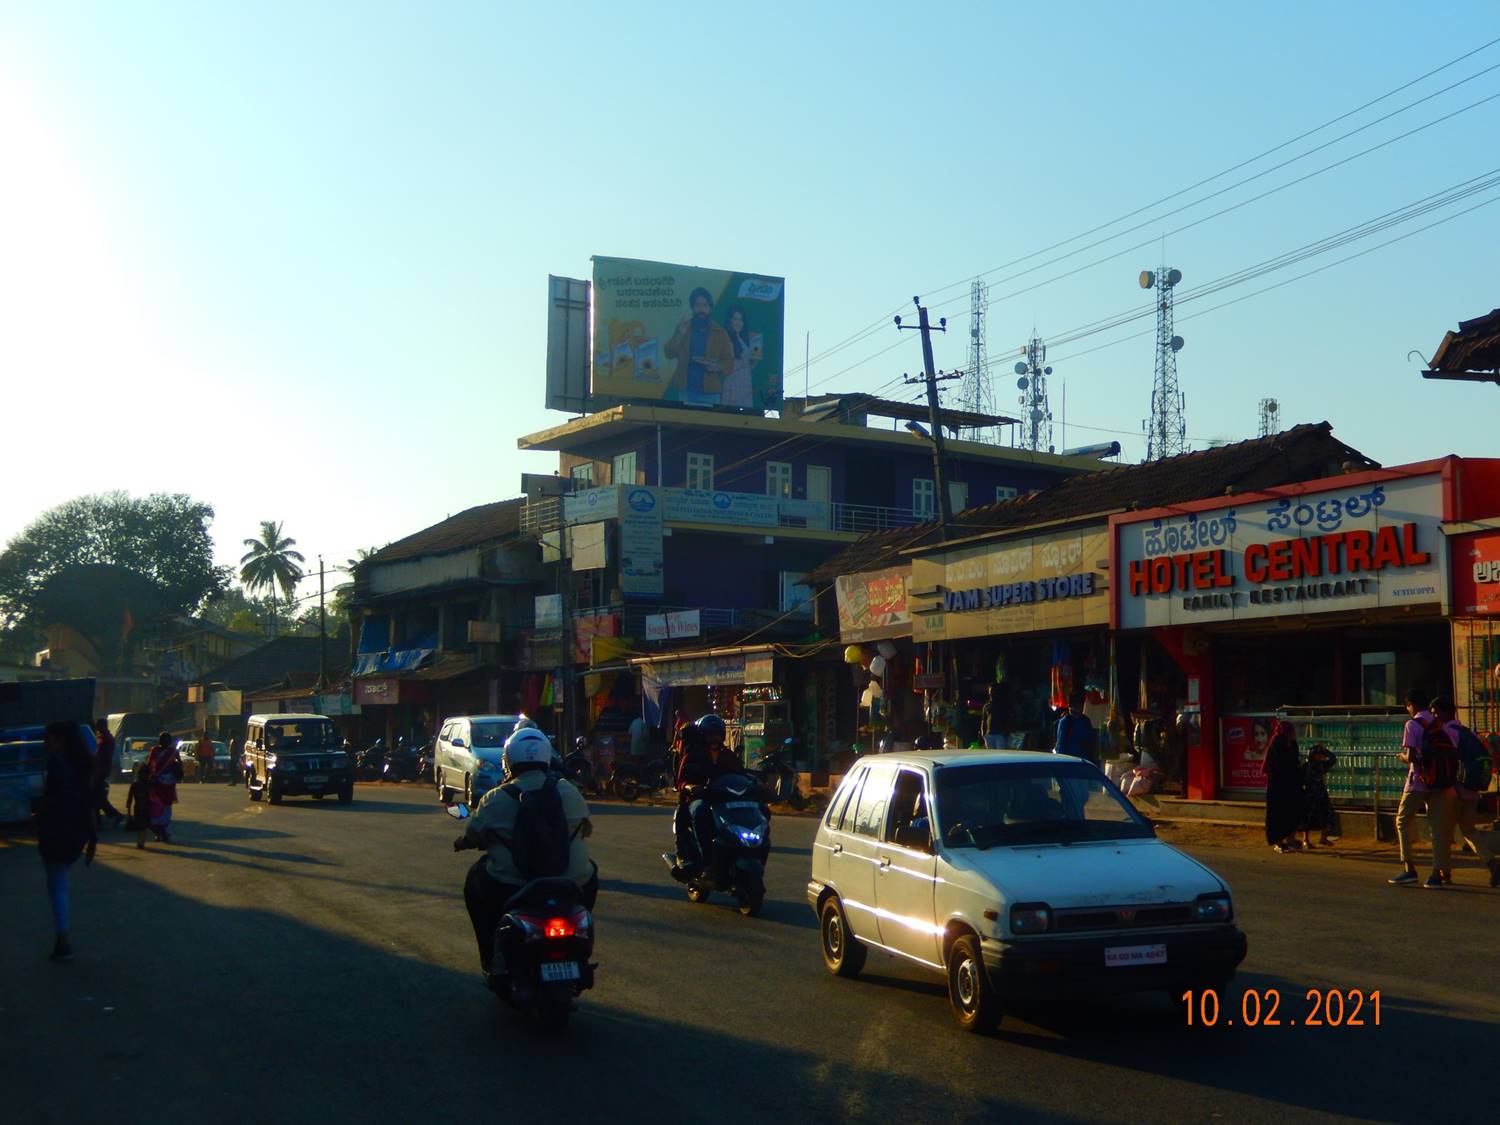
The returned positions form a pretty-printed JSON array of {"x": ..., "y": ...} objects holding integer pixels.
[{"x": 919, "y": 430}]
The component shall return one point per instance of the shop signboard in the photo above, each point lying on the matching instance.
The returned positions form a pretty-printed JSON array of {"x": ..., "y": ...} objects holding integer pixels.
[
  {"x": 713, "y": 671},
  {"x": 641, "y": 569},
  {"x": 673, "y": 626},
  {"x": 670, "y": 333},
  {"x": 549, "y": 611},
  {"x": 1324, "y": 547},
  {"x": 592, "y": 505},
  {"x": 227, "y": 703},
  {"x": 586, "y": 627},
  {"x": 586, "y": 546},
  {"x": 1476, "y": 573},
  {"x": 377, "y": 692},
  {"x": 743, "y": 509},
  {"x": 872, "y": 605},
  {"x": 1043, "y": 582},
  {"x": 1242, "y": 750}
]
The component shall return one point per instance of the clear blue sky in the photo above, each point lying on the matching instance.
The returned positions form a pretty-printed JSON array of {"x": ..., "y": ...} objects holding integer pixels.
[{"x": 291, "y": 258}]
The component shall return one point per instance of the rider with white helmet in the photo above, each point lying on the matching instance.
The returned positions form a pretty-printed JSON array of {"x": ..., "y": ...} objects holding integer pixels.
[{"x": 494, "y": 878}]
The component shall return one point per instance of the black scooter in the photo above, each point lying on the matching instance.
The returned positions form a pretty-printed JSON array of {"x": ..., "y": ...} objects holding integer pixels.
[
  {"x": 779, "y": 776},
  {"x": 402, "y": 764},
  {"x": 741, "y": 844},
  {"x": 630, "y": 781}
]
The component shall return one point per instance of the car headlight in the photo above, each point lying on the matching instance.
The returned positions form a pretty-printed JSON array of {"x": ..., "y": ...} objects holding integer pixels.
[
  {"x": 285, "y": 765},
  {"x": 1030, "y": 918},
  {"x": 1213, "y": 908}
]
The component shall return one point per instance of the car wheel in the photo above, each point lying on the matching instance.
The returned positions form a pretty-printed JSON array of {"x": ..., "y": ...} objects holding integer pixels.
[
  {"x": 273, "y": 791},
  {"x": 251, "y": 789},
  {"x": 843, "y": 953},
  {"x": 346, "y": 794},
  {"x": 976, "y": 1003}
]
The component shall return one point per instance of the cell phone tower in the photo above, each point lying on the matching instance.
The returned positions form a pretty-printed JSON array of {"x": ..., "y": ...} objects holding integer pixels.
[
  {"x": 977, "y": 393},
  {"x": 1036, "y": 412},
  {"x": 1270, "y": 417},
  {"x": 1166, "y": 432}
]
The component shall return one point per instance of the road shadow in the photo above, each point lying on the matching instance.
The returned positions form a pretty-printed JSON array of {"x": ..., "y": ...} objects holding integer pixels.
[
  {"x": 332, "y": 806},
  {"x": 395, "y": 1031},
  {"x": 642, "y": 890}
]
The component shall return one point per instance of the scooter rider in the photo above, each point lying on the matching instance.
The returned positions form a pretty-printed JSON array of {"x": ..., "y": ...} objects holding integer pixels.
[
  {"x": 493, "y": 879},
  {"x": 720, "y": 762}
]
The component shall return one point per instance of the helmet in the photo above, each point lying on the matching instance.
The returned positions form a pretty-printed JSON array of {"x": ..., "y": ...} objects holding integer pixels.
[
  {"x": 526, "y": 745},
  {"x": 526, "y": 723},
  {"x": 581, "y": 743},
  {"x": 712, "y": 726}
]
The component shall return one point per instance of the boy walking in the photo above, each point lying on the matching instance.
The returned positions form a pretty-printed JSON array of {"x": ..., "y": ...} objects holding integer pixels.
[
  {"x": 1466, "y": 800},
  {"x": 1417, "y": 797}
]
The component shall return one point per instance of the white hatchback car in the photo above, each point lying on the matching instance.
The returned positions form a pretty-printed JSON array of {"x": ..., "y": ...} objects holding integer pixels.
[{"x": 1013, "y": 874}]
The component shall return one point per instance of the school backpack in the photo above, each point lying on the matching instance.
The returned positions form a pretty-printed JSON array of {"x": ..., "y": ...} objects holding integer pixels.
[
  {"x": 540, "y": 840},
  {"x": 1474, "y": 764},
  {"x": 1439, "y": 763}
]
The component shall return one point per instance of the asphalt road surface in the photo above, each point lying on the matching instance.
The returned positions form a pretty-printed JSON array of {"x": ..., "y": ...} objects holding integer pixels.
[{"x": 313, "y": 962}]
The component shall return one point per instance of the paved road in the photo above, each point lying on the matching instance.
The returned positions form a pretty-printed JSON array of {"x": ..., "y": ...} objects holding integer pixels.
[{"x": 312, "y": 960}]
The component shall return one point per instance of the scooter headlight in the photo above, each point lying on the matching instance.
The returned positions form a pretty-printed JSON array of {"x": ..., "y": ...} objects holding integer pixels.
[{"x": 750, "y": 837}]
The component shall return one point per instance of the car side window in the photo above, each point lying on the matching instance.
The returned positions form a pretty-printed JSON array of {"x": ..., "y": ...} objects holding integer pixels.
[
  {"x": 909, "y": 826},
  {"x": 842, "y": 800},
  {"x": 874, "y": 798}
]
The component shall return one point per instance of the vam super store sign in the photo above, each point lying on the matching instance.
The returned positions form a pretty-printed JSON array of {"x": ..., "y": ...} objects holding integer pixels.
[{"x": 1324, "y": 547}]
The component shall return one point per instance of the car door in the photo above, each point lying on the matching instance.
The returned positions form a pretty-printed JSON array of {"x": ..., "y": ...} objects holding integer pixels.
[
  {"x": 443, "y": 751},
  {"x": 255, "y": 744},
  {"x": 906, "y": 871},
  {"x": 854, "y": 859}
]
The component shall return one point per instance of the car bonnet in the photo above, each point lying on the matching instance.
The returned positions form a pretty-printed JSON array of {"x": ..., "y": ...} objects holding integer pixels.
[{"x": 1097, "y": 873}]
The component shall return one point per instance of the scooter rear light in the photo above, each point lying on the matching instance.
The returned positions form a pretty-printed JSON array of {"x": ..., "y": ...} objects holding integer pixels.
[{"x": 559, "y": 928}]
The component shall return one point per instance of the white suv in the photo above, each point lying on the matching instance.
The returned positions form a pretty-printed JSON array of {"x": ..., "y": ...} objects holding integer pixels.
[{"x": 1012, "y": 873}]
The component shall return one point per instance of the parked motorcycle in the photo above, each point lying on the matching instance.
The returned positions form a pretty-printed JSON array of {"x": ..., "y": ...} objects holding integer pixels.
[
  {"x": 741, "y": 844},
  {"x": 779, "y": 776},
  {"x": 630, "y": 781},
  {"x": 579, "y": 769},
  {"x": 402, "y": 764},
  {"x": 543, "y": 946}
]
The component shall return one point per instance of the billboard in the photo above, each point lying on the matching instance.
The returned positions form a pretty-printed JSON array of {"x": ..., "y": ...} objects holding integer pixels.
[
  {"x": 682, "y": 334},
  {"x": 872, "y": 605},
  {"x": 567, "y": 345}
]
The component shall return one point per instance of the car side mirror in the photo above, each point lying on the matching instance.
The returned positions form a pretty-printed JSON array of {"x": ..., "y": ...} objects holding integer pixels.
[
  {"x": 913, "y": 837},
  {"x": 459, "y": 744},
  {"x": 458, "y": 812}
]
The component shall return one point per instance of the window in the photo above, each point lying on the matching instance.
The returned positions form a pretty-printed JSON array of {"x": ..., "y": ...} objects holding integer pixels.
[
  {"x": 869, "y": 816},
  {"x": 1004, "y": 492},
  {"x": 583, "y": 474},
  {"x": 624, "y": 468},
  {"x": 700, "y": 471},
  {"x": 908, "y": 811},
  {"x": 841, "y": 800},
  {"x": 958, "y": 495},
  {"x": 923, "y": 497},
  {"x": 778, "y": 478}
]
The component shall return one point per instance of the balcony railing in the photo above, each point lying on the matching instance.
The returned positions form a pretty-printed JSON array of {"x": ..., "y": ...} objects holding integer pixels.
[
  {"x": 866, "y": 518},
  {"x": 541, "y": 515}
]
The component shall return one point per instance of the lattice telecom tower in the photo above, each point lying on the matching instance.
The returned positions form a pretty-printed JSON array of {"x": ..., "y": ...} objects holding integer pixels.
[
  {"x": 1270, "y": 417},
  {"x": 1036, "y": 413},
  {"x": 1166, "y": 432},
  {"x": 977, "y": 393}
]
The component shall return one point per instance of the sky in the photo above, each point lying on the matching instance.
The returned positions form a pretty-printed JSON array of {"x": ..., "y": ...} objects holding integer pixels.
[{"x": 291, "y": 259}]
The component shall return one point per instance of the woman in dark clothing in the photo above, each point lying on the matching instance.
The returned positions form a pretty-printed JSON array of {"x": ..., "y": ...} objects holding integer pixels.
[
  {"x": 1285, "y": 799},
  {"x": 1320, "y": 811},
  {"x": 65, "y": 821}
]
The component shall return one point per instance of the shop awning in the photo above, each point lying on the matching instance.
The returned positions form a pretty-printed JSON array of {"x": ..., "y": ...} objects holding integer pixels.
[{"x": 395, "y": 660}]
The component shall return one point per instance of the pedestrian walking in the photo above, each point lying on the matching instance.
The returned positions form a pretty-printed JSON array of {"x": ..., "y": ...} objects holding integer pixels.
[
  {"x": 1075, "y": 733},
  {"x": 1320, "y": 811},
  {"x": 994, "y": 720},
  {"x": 1286, "y": 800},
  {"x": 163, "y": 772},
  {"x": 1473, "y": 779},
  {"x": 1430, "y": 765},
  {"x": 204, "y": 752},
  {"x": 65, "y": 823},
  {"x": 138, "y": 804},
  {"x": 104, "y": 768},
  {"x": 236, "y": 769}
]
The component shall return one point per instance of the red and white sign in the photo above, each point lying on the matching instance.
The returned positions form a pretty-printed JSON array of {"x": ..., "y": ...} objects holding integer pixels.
[
  {"x": 1476, "y": 573},
  {"x": 671, "y": 626},
  {"x": 1323, "y": 547},
  {"x": 1242, "y": 750},
  {"x": 377, "y": 692}
]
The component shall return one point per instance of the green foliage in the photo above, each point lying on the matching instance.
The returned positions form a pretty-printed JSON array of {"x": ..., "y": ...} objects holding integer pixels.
[
  {"x": 270, "y": 562},
  {"x": 243, "y": 621},
  {"x": 163, "y": 538}
]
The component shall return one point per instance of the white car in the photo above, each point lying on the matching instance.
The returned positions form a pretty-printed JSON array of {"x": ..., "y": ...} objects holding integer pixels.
[{"x": 1012, "y": 874}]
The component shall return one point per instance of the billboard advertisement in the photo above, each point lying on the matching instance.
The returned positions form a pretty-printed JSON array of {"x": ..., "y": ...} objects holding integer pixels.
[
  {"x": 872, "y": 605},
  {"x": 682, "y": 334}
]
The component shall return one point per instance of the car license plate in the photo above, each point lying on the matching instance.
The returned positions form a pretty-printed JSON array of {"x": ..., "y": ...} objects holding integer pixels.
[
  {"x": 1135, "y": 955},
  {"x": 316, "y": 779},
  {"x": 559, "y": 970}
]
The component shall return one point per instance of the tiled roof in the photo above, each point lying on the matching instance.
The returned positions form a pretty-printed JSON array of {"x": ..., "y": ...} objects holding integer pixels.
[
  {"x": 469, "y": 528},
  {"x": 1302, "y": 453},
  {"x": 1474, "y": 347},
  {"x": 274, "y": 662}
]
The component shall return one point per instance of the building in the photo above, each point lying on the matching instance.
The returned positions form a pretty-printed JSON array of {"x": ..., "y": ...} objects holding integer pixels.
[
  {"x": 439, "y": 616},
  {"x": 287, "y": 673}
]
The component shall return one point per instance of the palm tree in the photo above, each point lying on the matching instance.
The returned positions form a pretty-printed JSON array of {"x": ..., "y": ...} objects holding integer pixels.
[{"x": 270, "y": 562}]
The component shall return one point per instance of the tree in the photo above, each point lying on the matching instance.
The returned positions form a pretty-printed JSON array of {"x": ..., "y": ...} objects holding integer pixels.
[
  {"x": 343, "y": 593},
  {"x": 161, "y": 540},
  {"x": 271, "y": 563}
]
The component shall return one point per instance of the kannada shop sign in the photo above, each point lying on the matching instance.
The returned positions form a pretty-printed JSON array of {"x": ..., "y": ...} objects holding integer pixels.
[
  {"x": 1476, "y": 573},
  {"x": 1040, "y": 582},
  {"x": 684, "y": 334},
  {"x": 1300, "y": 550},
  {"x": 872, "y": 606},
  {"x": 641, "y": 573}
]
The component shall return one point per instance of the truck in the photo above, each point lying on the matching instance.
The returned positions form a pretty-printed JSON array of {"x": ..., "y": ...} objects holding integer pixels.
[{"x": 26, "y": 707}]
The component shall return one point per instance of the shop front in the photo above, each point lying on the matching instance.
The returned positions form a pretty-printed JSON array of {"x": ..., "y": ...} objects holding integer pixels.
[
  {"x": 1322, "y": 603},
  {"x": 1026, "y": 614},
  {"x": 740, "y": 685},
  {"x": 1475, "y": 555}
]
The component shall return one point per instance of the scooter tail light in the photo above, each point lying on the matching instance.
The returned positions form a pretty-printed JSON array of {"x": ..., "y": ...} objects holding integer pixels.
[{"x": 560, "y": 927}]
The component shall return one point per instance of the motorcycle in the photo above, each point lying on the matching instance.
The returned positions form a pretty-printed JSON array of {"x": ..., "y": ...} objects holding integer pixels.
[
  {"x": 577, "y": 768},
  {"x": 779, "y": 776},
  {"x": 370, "y": 761},
  {"x": 741, "y": 844},
  {"x": 402, "y": 764},
  {"x": 542, "y": 948},
  {"x": 630, "y": 781}
]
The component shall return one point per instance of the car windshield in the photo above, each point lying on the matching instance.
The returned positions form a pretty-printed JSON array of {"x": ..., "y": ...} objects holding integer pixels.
[
  {"x": 302, "y": 734},
  {"x": 492, "y": 735},
  {"x": 1007, "y": 804}
]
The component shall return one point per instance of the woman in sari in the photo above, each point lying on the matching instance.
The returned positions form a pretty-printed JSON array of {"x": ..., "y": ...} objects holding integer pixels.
[
  {"x": 163, "y": 772},
  {"x": 1286, "y": 800}
]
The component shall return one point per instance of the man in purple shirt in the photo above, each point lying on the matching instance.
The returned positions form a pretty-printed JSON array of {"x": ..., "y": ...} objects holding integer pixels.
[
  {"x": 1466, "y": 801},
  {"x": 1416, "y": 798}
]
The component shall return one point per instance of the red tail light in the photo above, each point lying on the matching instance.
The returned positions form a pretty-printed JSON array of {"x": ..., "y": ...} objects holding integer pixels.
[{"x": 559, "y": 928}]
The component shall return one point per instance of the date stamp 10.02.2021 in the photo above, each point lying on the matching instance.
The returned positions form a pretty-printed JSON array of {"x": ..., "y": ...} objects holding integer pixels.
[{"x": 1268, "y": 1007}]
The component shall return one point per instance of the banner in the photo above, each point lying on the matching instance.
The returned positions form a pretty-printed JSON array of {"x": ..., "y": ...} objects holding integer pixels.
[
  {"x": 1242, "y": 750},
  {"x": 683, "y": 334},
  {"x": 641, "y": 572},
  {"x": 672, "y": 626},
  {"x": 873, "y": 605},
  {"x": 549, "y": 611}
]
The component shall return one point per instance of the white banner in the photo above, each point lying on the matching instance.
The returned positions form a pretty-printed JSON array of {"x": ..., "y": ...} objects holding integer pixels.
[{"x": 671, "y": 626}]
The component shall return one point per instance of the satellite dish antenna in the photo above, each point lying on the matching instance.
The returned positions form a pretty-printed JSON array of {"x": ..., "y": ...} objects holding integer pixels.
[
  {"x": 1177, "y": 342},
  {"x": 1148, "y": 279},
  {"x": 1020, "y": 368},
  {"x": 1022, "y": 383},
  {"x": 1174, "y": 276}
]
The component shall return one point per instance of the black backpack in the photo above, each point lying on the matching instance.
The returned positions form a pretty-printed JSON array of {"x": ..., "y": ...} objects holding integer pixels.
[
  {"x": 1474, "y": 763},
  {"x": 540, "y": 841}
]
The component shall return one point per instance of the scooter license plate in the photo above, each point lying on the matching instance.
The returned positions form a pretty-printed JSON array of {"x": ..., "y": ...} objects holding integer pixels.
[
  {"x": 559, "y": 970},
  {"x": 316, "y": 779}
]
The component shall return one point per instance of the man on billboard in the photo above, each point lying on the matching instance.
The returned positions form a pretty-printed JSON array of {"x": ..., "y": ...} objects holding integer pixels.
[{"x": 703, "y": 353}]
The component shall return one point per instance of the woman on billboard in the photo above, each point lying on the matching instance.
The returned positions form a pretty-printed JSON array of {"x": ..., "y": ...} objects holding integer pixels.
[
  {"x": 739, "y": 387},
  {"x": 703, "y": 353}
]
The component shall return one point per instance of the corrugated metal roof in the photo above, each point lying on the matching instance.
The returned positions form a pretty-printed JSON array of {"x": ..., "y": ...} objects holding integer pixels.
[{"x": 1302, "y": 453}]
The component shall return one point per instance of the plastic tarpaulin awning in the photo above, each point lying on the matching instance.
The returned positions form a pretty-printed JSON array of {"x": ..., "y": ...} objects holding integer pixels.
[
  {"x": 394, "y": 660},
  {"x": 375, "y": 633}
]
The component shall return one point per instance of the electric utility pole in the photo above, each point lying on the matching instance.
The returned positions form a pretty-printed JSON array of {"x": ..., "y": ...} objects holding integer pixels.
[
  {"x": 322, "y": 633},
  {"x": 934, "y": 416}
]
